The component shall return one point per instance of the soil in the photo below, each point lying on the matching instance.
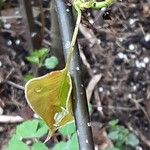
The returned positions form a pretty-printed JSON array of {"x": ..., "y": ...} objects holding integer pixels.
[{"x": 114, "y": 44}]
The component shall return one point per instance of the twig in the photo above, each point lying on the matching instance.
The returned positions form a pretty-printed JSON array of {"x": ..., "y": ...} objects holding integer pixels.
[
  {"x": 10, "y": 119},
  {"x": 45, "y": 29},
  {"x": 93, "y": 82},
  {"x": 10, "y": 17},
  {"x": 15, "y": 85}
]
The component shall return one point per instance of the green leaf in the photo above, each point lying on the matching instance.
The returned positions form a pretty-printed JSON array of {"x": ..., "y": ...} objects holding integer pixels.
[
  {"x": 31, "y": 129},
  {"x": 49, "y": 97},
  {"x": 60, "y": 146},
  {"x": 68, "y": 129},
  {"x": 132, "y": 140},
  {"x": 28, "y": 77},
  {"x": 42, "y": 129},
  {"x": 113, "y": 123},
  {"x": 73, "y": 142},
  {"x": 36, "y": 56},
  {"x": 39, "y": 146},
  {"x": 113, "y": 135},
  {"x": 16, "y": 144},
  {"x": 27, "y": 129},
  {"x": 33, "y": 59},
  {"x": 112, "y": 148},
  {"x": 40, "y": 53},
  {"x": 51, "y": 63}
]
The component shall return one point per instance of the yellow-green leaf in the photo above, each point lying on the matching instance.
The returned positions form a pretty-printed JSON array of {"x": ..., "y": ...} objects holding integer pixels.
[{"x": 49, "y": 97}]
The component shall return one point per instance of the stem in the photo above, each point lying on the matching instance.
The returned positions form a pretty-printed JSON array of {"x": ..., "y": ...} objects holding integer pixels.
[
  {"x": 74, "y": 38},
  {"x": 106, "y": 3}
]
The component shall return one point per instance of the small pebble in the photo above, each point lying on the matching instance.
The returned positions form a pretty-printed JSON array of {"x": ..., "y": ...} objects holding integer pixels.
[
  {"x": 0, "y": 64},
  {"x": 131, "y": 47},
  {"x": 91, "y": 21},
  {"x": 101, "y": 89},
  {"x": 132, "y": 21},
  {"x": 146, "y": 60},
  {"x": 17, "y": 42},
  {"x": 130, "y": 96},
  {"x": 7, "y": 25},
  {"x": 140, "y": 64},
  {"x": 9, "y": 42},
  {"x": 147, "y": 37}
]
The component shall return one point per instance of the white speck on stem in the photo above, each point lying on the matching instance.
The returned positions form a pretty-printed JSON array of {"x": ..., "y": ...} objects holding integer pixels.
[
  {"x": 67, "y": 44},
  {"x": 78, "y": 132},
  {"x": 82, "y": 85},
  {"x": 67, "y": 10},
  {"x": 77, "y": 68},
  {"x": 87, "y": 141},
  {"x": 89, "y": 124}
]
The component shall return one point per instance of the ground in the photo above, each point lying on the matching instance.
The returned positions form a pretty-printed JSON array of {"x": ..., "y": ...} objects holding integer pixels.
[{"x": 114, "y": 49}]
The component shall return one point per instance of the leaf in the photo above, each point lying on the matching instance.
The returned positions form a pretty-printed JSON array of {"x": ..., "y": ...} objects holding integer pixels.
[
  {"x": 33, "y": 59},
  {"x": 16, "y": 144},
  {"x": 27, "y": 129},
  {"x": 70, "y": 144},
  {"x": 40, "y": 53},
  {"x": 42, "y": 129},
  {"x": 73, "y": 142},
  {"x": 113, "y": 123},
  {"x": 68, "y": 129},
  {"x": 31, "y": 129},
  {"x": 28, "y": 77},
  {"x": 39, "y": 146},
  {"x": 60, "y": 146},
  {"x": 113, "y": 135},
  {"x": 51, "y": 63},
  {"x": 49, "y": 97},
  {"x": 132, "y": 140},
  {"x": 112, "y": 148},
  {"x": 36, "y": 56}
]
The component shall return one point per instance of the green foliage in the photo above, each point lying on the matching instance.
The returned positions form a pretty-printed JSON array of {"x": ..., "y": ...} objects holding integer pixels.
[
  {"x": 16, "y": 144},
  {"x": 28, "y": 130},
  {"x": 28, "y": 77},
  {"x": 35, "y": 129},
  {"x": 39, "y": 146},
  {"x": 68, "y": 130},
  {"x": 51, "y": 63},
  {"x": 121, "y": 136},
  {"x": 32, "y": 129},
  {"x": 38, "y": 57}
]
